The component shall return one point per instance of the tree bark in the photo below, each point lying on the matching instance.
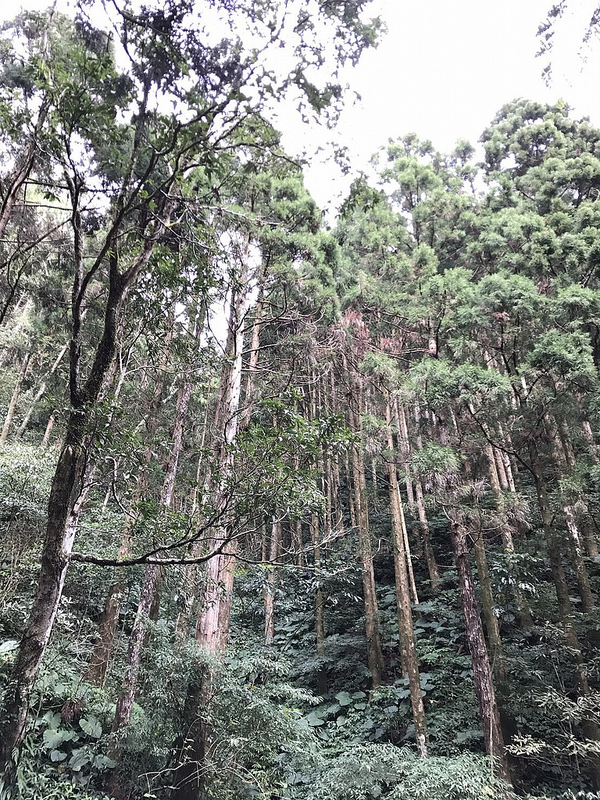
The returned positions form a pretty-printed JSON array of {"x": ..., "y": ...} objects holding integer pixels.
[
  {"x": 271, "y": 581},
  {"x": 408, "y": 649},
  {"x": 212, "y": 626},
  {"x": 374, "y": 653},
  {"x": 40, "y": 392},
  {"x": 432, "y": 566},
  {"x": 489, "y": 607},
  {"x": 319, "y": 599},
  {"x": 482, "y": 673},
  {"x": 12, "y": 405}
]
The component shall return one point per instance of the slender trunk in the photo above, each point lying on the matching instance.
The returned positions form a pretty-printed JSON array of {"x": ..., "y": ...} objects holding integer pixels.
[
  {"x": 588, "y": 435},
  {"x": 351, "y": 494},
  {"x": 249, "y": 392},
  {"x": 581, "y": 573},
  {"x": 212, "y": 626},
  {"x": 319, "y": 604},
  {"x": 408, "y": 650},
  {"x": 409, "y": 564},
  {"x": 151, "y": 576},
  {"x": 405, "y": 452},
  {"x": 489, "y": 607},
  {"x": 48, "y": 431},
  {"x": 271, "y": 582},
  {"x": 510, "y": 468},
  {"x": 298, "y": 543},
  {"x": 495, "y": 484},
  {"x": 374, "y": 653},
  {"x": 432, "y": 566},
  {"x": 482, "y": 673},
  {"x": 500, "y": 468},
  {"x": 10, "y": 413},
  {"x": 41, "y": 389},
  {"x": 98, "y": 666}
]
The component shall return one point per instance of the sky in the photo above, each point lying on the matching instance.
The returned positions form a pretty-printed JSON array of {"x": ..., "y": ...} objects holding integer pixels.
[
  {"x": 446, "y": 67},
  {"x": 442, "y": 71}
]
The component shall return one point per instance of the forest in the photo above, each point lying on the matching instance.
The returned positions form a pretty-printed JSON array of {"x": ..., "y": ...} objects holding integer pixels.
[{"x": 290, "y": 509}]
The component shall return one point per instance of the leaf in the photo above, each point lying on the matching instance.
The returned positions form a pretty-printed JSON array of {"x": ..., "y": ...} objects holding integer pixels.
[
  {"x": 52, "y": 719},
  {"x": 314, "y": 720},
  {"x": 79, "y": 759},
  {"x": 57, "y": 755},
  {"x": 8, "y": 646},
  {"x": 54, "y": 738},
  {"x": 92, "y": 726},
  {"x": 343, "y": 698},
  {"x": 101, "y": 762}
]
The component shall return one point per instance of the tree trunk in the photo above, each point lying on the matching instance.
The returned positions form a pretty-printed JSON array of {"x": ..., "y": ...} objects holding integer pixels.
[
  {"x": 322, "y": 682},
  {"x": 432, "y": 566},
  {"x": 374, "y": 653},
  {"x": 482, "y": 673},
  {"x": 298, "y": 543},
  {"x": 42, "y": 388},
  {"x": 581, "y": 573},
  {"x": 489, "y": 607},
  {"x": 405, "y": 452},
  {"x": 212, "y": 626},
  {"x": 10, "y": 412},
  {"x": 271, "y": 582},
  {"x": 49, "y": 428},
  {"x": 58, "y": 544},
  {"x": 408, "y": 650}
]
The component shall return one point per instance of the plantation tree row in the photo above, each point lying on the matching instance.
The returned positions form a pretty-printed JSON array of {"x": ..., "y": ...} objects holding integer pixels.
[{"x": 288, "y": 511}]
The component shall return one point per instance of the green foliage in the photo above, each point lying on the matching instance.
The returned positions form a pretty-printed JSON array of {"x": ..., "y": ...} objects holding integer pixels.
[
  {"x": 25, "y": 475},
  {"x": 383, "y": 771},
  {"x": 64, "y": 753},
  {"x": 258, "y": 741}
]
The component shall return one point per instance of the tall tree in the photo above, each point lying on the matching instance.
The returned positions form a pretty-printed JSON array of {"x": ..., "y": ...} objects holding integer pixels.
[{"x": 142, "y": 165}]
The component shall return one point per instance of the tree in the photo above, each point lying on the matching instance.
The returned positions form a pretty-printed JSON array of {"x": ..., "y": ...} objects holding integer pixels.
[{"x": 142, "y": 166}]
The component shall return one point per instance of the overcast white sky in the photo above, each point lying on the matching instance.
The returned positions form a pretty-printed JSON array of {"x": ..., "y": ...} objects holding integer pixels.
[
  {"x": 442, "y": 71},
  {"x": 446, "y": 67}
]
